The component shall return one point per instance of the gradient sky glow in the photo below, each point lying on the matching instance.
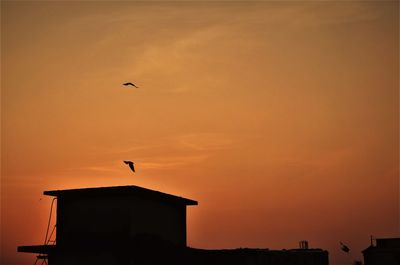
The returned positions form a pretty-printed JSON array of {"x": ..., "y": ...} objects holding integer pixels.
[{"x": 280, "y": 118}]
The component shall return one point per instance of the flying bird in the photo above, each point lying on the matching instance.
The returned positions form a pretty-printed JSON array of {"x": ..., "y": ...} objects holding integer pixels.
[
  {"x": 131, "y": 165},
  {"x": 130, "y": 84},
  {"x": 344, "y": 247}
]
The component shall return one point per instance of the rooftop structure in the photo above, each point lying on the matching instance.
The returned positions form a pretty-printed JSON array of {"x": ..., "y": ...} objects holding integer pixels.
[
  {"x": 133, "y": 225},
  {"x": 385, "y": 251},
  {"x": 113, "y": 216}
]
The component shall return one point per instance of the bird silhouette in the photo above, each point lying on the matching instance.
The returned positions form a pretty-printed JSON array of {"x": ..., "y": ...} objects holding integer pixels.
[
  {"x": 344, "y": 247},
  {"x": 130, "y": 84},
  {"x": 131, "y": 165}
]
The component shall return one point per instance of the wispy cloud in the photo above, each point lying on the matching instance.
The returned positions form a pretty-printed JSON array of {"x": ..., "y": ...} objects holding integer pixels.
[
  {"x": 204, "y": 141},
  {"x": 172, "y": 162},
  {"x": 179, "y": 143},
  {"x": 130, "y": 147},
  {"x": 98, "y": 169},
  {"x": 167, "y": 153}
]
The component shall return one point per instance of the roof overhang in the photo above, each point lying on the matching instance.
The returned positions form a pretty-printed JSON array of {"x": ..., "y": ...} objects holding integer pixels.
[
  {"x": 41, "y": 249},
  {"x": 120, "y": 191}
]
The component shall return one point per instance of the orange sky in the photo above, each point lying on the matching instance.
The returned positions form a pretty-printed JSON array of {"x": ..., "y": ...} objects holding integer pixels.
[{"x": 280, "y": 118}]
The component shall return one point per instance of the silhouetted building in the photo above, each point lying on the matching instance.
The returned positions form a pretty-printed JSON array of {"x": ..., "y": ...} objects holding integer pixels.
[
  {"x": 386, "y": 251},
  {"x": 133, "y": 225}
]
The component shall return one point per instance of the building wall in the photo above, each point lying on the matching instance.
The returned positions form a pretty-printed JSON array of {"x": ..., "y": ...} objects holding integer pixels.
[
  {"x": 188, "y": 256},
  {"x": 116, "y": 220},
  {"x": 386, "y": 252},
  {"x": 88, "y": 258},
  {"x": 375, "y": 256},
  {"x": 166, "y": 220},
  {"x": 256, "y": 257}
]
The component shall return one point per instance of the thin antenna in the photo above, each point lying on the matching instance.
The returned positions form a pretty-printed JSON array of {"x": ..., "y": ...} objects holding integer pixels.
[{"x": 48, "y": 224}]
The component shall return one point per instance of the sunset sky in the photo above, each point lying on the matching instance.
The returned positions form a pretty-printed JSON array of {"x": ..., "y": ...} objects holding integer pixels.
[{"x": 280, "y": 118}]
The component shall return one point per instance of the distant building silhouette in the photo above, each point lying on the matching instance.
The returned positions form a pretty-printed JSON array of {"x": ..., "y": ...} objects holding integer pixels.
[
  {"x": 132, "y": 225},
  {"x": 303, "y": 244},
  {"x": 386, "y": 251}
]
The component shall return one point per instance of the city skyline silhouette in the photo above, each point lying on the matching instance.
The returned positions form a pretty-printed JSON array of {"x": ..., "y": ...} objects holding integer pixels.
[{"x": 281, "y": 118}]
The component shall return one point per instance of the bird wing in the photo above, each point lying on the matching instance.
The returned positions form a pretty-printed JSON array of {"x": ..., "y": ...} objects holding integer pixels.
[
  {"x": 130, "y": 84},
  {"x": 132, "y": 167},
  {"x": 344, "y": 247}
]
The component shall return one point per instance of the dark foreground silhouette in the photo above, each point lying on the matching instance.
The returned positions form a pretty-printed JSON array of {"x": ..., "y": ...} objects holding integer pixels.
[
  {"x": 385, "y": 251},
  {"x": 149, "y": 250},
  {"x": 133, "y": 225}
]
